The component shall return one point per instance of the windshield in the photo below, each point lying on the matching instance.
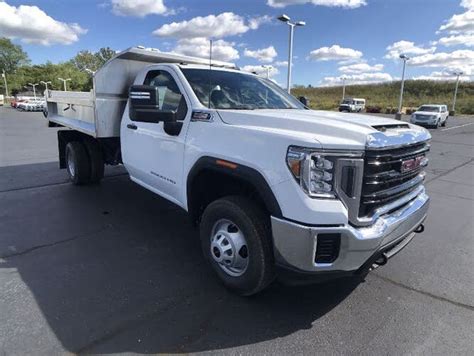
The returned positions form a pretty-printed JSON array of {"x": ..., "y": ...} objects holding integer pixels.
[
  {"x": 429, "y": 108},
  {"x": 234, "y": 90},
  {"x": 347, "y": 101}
]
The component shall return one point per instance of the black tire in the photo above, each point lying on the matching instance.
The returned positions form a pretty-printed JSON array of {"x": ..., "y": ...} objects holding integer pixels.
[
  {"x": 77, "y": 163},
  {"x": 255, "y": 225},
  {"x": 445, "y": 122},
  {"x": 96, "y": 161}
]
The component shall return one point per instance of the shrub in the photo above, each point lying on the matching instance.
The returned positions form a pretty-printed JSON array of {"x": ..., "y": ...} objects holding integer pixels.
[{"x": 373, "y": 109}]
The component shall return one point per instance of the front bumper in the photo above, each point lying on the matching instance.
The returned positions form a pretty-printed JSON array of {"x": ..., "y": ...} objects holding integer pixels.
[
  {"x": 422, "y": 122},
  {"x": 295, "y": 244}
]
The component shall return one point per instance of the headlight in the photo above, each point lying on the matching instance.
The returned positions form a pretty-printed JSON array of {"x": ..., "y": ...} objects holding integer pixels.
[
  {"x": 314, "y": 171},
  {"x": 433, "y": 117}
]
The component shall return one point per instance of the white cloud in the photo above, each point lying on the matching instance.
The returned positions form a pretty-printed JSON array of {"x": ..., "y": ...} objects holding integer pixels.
[
  {"x": 468, "y": 4},
  {"x": 199, "y": 47},
  {"x": 455, "y": 40},
  {"x": 139, "y": 8},
  {"x": 261, "y": 70},
  {"x": 32, "y": 25},
  {"x": 255, "y": 22},
  {"x": 459, "y": 27},
  {"x": 361, "y": 78},
  {"x": 460, "y": 23},
  {"x": 265, "y": 55},
  {"x": 348, "y": 4},
  {"x": 215, "y": 26},
  {"x": 441, "y": 76},
  {"x": 462, "y": 59},
  {"x": 281, "y": 64},
  {"x": 361, "y": 68},
  {"x": 334, "y": 53},
  {"x": 406, "y": 47}
]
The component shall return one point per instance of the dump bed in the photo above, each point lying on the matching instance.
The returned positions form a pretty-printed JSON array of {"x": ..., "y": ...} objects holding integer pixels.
[{"x": 98, "y": 113}]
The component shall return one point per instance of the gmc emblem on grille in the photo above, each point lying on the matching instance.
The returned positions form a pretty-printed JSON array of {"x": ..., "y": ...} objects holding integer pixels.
[{"x": 411, "y": 164}]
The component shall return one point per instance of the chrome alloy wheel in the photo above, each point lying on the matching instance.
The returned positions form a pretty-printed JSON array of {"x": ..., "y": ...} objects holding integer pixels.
[{"x": 229, "y": 248}]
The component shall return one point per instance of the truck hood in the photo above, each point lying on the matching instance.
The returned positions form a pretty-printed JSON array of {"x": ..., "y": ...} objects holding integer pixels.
[
  {"x": 332, "y": 130},
  {"x": 427, "y": 113}
]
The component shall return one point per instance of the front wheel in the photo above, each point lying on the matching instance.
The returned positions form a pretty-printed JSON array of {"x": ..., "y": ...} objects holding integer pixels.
[{"x": 236, "y": 240}]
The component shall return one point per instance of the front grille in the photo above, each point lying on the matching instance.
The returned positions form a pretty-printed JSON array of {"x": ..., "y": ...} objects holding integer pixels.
[
  {"x": 384, "y": 178},
  {"x": 422, "y": 117}
]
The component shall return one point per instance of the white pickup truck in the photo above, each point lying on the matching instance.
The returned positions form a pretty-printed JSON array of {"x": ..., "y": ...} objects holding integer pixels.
[{"x": 276, "y": 189}]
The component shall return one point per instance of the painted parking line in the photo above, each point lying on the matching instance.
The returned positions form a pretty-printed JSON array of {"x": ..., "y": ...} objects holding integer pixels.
[{"x": 455, "y": 127}]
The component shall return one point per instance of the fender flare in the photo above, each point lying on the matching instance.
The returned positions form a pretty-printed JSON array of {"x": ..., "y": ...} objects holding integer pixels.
[{"x": 239, "y": 171}]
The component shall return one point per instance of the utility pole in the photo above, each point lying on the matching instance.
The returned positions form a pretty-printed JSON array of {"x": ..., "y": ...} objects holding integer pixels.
[
  {"x": 5, "y": 80},
  {"x": 398, "y": 115},
  {"x": 458, "y": 74},
  {"x": 343, "y": 87},
  {"x": 286, "y": 19}
]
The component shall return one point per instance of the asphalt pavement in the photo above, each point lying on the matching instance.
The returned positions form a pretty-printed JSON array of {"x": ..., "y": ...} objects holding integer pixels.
[{"x": 113, "y": 268}]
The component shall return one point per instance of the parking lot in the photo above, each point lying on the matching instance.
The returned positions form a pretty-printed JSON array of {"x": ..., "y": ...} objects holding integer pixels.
[{"x": 114, "y": 268}]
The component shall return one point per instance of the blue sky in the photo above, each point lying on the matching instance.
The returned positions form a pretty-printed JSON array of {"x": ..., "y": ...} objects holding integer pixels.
[{"x": 341, "y": 38}]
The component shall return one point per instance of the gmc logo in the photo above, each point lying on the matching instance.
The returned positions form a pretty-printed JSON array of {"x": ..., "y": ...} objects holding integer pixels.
[{"x": 411, "y": 164}]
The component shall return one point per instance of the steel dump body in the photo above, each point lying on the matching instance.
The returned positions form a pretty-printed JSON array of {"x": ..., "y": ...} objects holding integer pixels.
[{"x": 98, "y": 113}]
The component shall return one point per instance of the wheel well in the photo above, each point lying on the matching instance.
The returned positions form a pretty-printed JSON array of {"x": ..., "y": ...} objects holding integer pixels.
[
  {"x": 210, "y": 185},
  {"x": 211, "y": 179}
]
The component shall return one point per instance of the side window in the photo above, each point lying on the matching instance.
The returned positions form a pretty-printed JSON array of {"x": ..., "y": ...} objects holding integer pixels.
[{"x": 170, "y": 97}]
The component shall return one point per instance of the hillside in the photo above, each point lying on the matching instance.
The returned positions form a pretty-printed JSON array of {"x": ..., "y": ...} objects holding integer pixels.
[{"x": 386, "y": 95}]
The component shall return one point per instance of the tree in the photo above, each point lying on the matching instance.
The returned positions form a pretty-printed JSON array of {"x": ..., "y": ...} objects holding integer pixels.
[
  {"x": 93, "y": 61},
  {"x": 86, "y": 60},
  {"x": 12, "y": 56},
  {"x": 105, "y": 53}
]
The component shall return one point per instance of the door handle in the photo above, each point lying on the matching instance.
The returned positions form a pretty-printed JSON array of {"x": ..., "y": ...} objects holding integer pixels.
[{"x": 132, "y": 126}]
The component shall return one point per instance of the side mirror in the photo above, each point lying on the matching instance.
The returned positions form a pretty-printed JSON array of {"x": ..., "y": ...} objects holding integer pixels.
[
  {"x": 304, "y": 100},
  {"x": 145, "y": 105}
]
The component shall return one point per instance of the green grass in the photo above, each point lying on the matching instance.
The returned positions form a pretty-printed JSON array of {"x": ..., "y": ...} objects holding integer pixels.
[{"x": 386, "y": 95}]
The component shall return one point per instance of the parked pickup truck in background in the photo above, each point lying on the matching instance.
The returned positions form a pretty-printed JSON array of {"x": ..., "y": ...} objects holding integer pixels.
[{"x": 277, "y": 190}]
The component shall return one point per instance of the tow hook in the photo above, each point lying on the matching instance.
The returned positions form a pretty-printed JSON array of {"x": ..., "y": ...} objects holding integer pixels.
[{"x": 420, "y": 229}]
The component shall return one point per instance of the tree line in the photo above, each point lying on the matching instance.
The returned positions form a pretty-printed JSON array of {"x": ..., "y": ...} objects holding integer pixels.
[{"x": 19, "y": 71}]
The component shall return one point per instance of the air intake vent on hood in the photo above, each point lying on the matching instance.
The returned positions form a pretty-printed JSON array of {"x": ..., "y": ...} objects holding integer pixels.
[{"x": 383, "y": 128}]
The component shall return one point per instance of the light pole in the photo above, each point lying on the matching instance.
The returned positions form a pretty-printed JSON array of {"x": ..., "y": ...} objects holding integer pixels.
[
  {"x": 45, "y": 84},
  {"x": 286, "y": 19},
  {"x": 4, "y": 76},
  {"x": 34, "y": 88},
  {"x": 458, "y": 74},
  {"x": 398, "y": 115},
  {"x": 268, "y": 68},
  {"x": 343, "y": 88},
  {"x": 64, "y": 82}
]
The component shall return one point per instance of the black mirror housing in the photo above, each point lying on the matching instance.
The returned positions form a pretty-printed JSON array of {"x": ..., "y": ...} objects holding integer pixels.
[{"x": 145, "y": 105}]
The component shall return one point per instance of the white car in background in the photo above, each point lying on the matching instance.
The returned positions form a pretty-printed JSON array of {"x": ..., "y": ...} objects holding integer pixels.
[
  {"x": 34, "y": 105},
  {"x": 431, "y": 115},
  {"x": 352, "y": 105}
]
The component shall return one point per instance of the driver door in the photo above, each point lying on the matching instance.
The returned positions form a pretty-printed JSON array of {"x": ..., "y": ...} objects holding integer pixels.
[{"x": 153, "y": 157}]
